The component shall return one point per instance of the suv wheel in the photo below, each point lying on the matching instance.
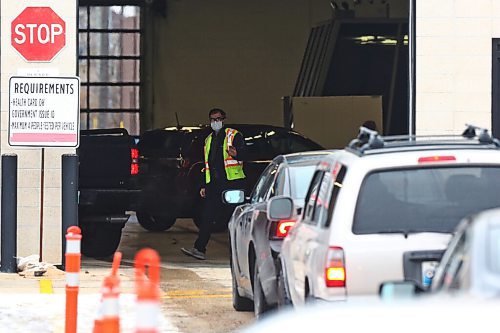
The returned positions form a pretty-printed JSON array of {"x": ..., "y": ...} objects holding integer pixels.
[
  {"x": 99, "y": 239},
  {"x": 155, "y": 222},
  {"x": 239, "y": 303}
]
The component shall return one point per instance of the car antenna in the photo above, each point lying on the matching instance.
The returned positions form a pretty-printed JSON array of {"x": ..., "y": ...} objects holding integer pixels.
[{"x": 177, "y": 121}]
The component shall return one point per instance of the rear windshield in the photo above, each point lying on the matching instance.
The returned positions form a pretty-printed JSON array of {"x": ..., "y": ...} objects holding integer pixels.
[
  {"x": 424, "y": 200},
  {"x": 300, "y": 177}
]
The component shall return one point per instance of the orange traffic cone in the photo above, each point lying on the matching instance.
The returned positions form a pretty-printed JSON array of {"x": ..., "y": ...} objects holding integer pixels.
[
  {"x": 73, "y": 260},
  {"x": 148, "y": 291},
  {"x": 108, "y": 317}
]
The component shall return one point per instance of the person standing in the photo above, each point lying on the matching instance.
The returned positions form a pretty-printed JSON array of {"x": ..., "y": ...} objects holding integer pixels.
[{"x": 224, "y": 152}]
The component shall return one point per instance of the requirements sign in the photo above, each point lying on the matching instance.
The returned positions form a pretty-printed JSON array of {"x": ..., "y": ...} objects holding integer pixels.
[{"x": 44, "y": 111}]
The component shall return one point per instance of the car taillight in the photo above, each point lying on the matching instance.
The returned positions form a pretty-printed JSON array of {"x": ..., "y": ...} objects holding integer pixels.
[
  {"x": 280, "y": 229},
  {"x": 430, "y": 159},
  {"x": 134, "y": 164},
  {"x": 335, "y": 269},
  {"x": 134, "y": 153}
]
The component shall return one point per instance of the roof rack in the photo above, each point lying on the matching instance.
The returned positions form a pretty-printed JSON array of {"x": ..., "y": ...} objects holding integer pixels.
[{"x": 371, "y": 140}]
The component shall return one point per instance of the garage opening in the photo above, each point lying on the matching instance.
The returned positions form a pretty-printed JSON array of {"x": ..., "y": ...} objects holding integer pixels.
[
  {"x": 109, "y": 62},
  {"x": 360, "y": 56}
]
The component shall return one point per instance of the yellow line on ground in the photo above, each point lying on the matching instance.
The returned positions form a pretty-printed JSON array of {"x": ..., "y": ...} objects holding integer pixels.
[
  {"x": 196, "y": 292},
  {"x": 46, "y": 286},
  {"x": 198, "y": 296}
]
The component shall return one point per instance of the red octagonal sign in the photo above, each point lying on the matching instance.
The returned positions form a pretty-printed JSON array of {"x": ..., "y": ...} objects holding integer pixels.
[{"x": 38, "y": 33}]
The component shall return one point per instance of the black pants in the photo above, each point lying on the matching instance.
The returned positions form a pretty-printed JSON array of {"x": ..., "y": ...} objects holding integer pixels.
[{"x": 212, "y": 207}]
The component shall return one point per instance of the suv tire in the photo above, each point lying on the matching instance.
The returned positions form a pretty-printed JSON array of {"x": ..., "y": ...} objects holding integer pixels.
[
  {"x": 155, "y": 222},
  {"x": 99, "y": 239},
  {"x": 239, "y": 303}
]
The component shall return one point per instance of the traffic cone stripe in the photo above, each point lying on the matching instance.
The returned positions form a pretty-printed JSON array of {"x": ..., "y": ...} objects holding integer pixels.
[
  {"x": 147, "y": 315},
  {"x": 111, "y": 307},
  {"x": 72, "y": 279},
  {"x": 73, "y": 246}
]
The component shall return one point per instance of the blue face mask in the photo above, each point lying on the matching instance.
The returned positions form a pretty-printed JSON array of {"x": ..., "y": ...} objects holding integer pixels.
[{"x": 216, "y": 125}]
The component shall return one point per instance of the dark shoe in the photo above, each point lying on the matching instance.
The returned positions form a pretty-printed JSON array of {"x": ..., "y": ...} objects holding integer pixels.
[{"x": 193, "y": 252}]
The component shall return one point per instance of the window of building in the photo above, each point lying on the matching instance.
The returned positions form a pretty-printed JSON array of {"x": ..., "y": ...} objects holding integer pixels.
[{"x": 109, "y": 59}]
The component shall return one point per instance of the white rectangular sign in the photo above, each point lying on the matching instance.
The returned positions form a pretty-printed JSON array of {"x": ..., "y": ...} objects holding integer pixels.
[{"x": 44, "y": 111}]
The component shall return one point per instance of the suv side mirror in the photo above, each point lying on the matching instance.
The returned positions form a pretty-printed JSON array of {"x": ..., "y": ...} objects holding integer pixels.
[
  {"x": 233, "y": 196},
  {"x": 280, "y": 208}
]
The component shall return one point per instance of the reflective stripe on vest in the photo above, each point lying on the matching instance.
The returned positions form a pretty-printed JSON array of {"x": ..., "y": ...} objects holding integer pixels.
[{"x": 233, "y": 167}]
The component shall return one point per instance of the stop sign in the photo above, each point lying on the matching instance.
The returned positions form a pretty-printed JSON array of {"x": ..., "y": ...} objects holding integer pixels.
[{"x": 38, "y": 33}]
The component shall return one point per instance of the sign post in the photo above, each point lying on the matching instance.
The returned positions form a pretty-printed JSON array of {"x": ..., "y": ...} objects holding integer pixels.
[{"x": 44, "y": 111}]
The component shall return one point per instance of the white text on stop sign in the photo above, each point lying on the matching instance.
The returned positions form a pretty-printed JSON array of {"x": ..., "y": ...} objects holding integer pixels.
[{"x": 43, "y": 33}]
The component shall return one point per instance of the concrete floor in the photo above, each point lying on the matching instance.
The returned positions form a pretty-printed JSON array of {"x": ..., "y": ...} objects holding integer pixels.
[{"x": 196, "y": 294}]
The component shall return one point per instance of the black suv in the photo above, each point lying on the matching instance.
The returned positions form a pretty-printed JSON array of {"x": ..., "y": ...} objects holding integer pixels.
[{"x": 171, "y": 165}]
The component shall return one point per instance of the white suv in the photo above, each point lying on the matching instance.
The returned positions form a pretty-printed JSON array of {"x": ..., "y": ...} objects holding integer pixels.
[{"x": 384, "y": 209}]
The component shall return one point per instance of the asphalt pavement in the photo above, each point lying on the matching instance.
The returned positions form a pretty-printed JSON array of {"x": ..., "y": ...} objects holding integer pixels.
[{"x": 195, "y": 295}]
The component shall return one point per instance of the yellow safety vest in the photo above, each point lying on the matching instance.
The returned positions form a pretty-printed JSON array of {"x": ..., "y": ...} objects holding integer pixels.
[{"x": 233, "y": 167}]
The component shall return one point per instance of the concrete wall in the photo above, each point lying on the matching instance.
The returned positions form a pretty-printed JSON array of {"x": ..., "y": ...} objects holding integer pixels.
[
  {"x": 29, "y": 159},
  {"x": 242, "y": 56},
  {"x": 453, "y": 67}
]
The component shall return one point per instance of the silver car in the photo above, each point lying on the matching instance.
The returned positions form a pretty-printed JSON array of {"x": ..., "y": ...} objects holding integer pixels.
[
  {"x": 471, "y": 264},
  {"x": 384, "y": 209},
  {"x": 256, "y": 237}
]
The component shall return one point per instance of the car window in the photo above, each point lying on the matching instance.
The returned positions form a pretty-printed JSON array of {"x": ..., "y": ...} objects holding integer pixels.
[
  {"x": 279, "y": 184},
  {"x": 289, "y": 142},
  {"x": 339, "y": 173},
  {"x": 269, "y": 184},
  {"x": 311, "y": 197},
  {"x": 258, "y": 146},
  {"x": 161, "y": 143},
  {"x": 262, "y": 186},
  {"x": 430, "y": 199},
  {"x": 322, "y": 202},
  {"x": 300, "y": 178}
]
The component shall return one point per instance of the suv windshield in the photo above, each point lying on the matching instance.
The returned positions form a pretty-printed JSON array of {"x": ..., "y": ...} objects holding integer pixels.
[{"x": 425, "y": 199}]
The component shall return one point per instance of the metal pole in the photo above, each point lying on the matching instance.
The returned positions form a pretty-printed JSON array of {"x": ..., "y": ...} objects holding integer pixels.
[
  {"x": 69, "y": 197},
  {"x": 9, "y": 214},
  {"x": 412, "y": 42}
]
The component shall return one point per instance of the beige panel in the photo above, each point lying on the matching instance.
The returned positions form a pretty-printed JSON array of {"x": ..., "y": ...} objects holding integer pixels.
[
  {"x": 478, "y": 8},
  {"x": 334, "y": 121},
  {"x": 433, "y": 8},
  {"x": 464, "y": 56},
  {"x": 27, "y": 240},
  {"x": 473, "y": 27},
  {"x": 435, "y": 27},
  {"x": 435, "y": 123}
]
